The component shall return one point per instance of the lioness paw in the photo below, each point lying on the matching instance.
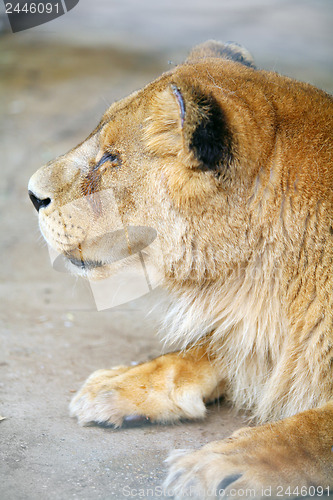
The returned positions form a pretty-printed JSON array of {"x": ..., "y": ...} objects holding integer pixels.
[
  {"x": 253, "y": 462},
  {"x": 149, "y": 391}
]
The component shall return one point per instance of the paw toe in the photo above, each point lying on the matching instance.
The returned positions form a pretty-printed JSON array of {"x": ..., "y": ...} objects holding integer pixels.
[
  {"x": 181, "y": 482},
  {"x": 101, "y": 409}
]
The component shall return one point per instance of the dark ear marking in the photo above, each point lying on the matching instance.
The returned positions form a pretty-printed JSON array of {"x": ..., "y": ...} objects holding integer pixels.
[{"x": 211, "y": 140}]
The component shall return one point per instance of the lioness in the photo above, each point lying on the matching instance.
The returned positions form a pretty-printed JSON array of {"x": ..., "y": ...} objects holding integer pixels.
[{"x": 232, "y": 167}]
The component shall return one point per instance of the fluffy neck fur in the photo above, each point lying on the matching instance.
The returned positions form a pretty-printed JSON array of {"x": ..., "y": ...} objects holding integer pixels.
[{"x": 268, "y": 368}]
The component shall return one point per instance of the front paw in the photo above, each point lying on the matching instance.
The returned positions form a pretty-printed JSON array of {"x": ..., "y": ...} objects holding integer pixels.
[
  {"x": 149, "y": 391},
  {"x": 272, "y": 460}
]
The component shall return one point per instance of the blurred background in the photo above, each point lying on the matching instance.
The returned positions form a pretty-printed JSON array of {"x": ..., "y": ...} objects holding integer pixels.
[{"x": 56, "y": 80}]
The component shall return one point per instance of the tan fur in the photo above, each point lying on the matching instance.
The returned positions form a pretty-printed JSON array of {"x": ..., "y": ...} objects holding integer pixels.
[{"x": 247, "y": 257}]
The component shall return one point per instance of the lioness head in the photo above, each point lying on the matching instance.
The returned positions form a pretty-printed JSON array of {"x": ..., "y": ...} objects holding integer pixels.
[{"x": 224, "y": 163}]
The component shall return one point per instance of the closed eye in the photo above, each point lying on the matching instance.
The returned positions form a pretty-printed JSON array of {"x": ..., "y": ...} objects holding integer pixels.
[{"x": 112, "y": 158}]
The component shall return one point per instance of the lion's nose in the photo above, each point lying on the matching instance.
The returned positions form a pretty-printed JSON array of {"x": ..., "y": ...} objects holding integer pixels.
[{"x": 37, "y": 202}]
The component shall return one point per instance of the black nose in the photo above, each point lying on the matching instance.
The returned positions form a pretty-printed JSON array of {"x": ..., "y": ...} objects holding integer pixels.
[{"x": 37, "y": 203}]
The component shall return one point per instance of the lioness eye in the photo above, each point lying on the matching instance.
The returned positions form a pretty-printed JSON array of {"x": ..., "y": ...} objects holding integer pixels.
[{"x": 113, "y": 158}]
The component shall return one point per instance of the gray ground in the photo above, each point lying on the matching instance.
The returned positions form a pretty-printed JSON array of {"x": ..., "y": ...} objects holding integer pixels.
[{"x": 56, "y": 81}]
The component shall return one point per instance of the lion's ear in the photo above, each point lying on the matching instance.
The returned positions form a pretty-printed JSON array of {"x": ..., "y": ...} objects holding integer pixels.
[
  {"x": 190, "y": 123},
  {"x": 204, "y": 127},
  {"x": 228, "y": 50}
]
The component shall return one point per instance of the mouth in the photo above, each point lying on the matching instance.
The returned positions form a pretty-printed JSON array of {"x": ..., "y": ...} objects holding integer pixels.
[
  {"x": 114, "y": 247},
  {"x": 86, "y": 265},
  {"x": 100, "y": 253}
]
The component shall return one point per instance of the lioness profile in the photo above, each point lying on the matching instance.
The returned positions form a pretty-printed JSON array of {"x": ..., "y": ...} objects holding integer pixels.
[{"x": 232, "y": 167}]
